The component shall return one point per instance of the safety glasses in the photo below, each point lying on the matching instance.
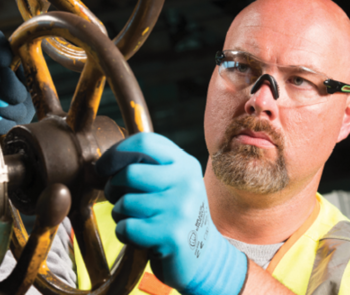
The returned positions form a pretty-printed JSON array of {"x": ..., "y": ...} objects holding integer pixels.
[{"x": 303, "y": 86}]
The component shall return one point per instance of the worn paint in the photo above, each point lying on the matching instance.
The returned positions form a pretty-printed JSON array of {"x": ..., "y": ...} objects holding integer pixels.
[
  {"x": 145, "y": 31},
  {"x": 17, "y": 233},
  {"x": 44, "y": 269},
  {"x": 137, "y": 46},
  {"x": 41, "y": 86},
  {"x": 39, "y": 81},
  {"x": 86, "y": 99},
  {"x": 140, "y": 24},
  {"x": 139, "y": 115}
]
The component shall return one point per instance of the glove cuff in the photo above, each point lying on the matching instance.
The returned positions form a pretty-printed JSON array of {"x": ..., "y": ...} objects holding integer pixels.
[{"x": 223, "y": 271}]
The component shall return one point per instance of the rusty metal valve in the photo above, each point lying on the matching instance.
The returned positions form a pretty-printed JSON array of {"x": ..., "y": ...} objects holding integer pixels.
[
  {"x": 129, "y": 40},
  {"x": 51, "y": 162}
]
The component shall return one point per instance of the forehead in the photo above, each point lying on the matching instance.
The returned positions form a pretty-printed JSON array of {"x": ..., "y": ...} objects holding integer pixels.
[{"x": 289, "y": 41}]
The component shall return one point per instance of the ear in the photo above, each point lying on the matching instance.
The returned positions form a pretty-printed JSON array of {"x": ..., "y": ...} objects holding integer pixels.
[{"x": 345, "y": 128}]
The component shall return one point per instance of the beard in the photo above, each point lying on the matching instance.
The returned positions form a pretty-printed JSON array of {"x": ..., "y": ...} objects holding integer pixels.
[{"x": 246, "y": 167}]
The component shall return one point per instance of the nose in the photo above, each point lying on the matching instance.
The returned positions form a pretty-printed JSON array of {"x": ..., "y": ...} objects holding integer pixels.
[{"x": 263, "y": 101}]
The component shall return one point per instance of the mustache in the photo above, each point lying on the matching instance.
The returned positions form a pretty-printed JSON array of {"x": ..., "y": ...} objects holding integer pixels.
[{"x": 256, "y": 125}]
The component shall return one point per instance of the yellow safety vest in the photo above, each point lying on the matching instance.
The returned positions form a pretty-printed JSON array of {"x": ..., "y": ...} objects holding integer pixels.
[
  {"x": 294, "y": 265},
  {"x": 317, "y": 255}
]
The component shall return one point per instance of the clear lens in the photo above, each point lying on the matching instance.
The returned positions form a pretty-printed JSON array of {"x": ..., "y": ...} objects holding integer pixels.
[{"x": 298, "y": 85}]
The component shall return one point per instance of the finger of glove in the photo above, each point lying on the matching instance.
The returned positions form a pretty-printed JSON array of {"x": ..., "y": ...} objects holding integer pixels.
[
  {"x": 11, "y": 88},
  {"x": 156, "y": 146},
  {"x": 136, "y": 206},
  {"x": 30, "y": 111},
  {"x": 5, "y": 51},
  {"x": 112, "y": 161},
  {"x": 128, "y": 232},
  {"x": 6, "y": 125},
  {"x": 13, "y": 112},
  {"x": 20, "y": 74},
  {"x": 142, "y": 178},
  {"x": 114, "y": 192}
]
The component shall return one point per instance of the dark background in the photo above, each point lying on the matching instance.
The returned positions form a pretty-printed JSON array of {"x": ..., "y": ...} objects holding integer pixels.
[{"x": 173, "y": 69}]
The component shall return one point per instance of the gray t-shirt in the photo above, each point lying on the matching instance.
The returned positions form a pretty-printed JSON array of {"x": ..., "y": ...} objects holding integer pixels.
[
  {"x": 263, "y": 254},
  {"x": 58, "y": 259},
  {"x": 260, "y": 254}
]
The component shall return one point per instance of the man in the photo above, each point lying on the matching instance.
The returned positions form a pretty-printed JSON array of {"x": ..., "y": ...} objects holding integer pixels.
[
  {"x": 269, "y": 131},
  {"x": 268, "y": 141}
]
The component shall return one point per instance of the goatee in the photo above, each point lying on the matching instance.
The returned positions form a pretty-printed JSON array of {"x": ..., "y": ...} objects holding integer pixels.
[{"x": 246, "y": 167}]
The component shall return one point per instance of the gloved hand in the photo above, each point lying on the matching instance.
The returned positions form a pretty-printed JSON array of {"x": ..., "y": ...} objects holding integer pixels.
[
  {"x": 161, "y": 205},
  {"x": 16, "y": 105}
]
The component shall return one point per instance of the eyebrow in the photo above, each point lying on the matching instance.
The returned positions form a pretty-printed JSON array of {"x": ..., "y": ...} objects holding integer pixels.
[{"x": 309, "y": 66}]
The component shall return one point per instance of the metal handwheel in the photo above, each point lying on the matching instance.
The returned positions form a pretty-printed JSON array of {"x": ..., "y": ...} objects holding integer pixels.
[
  {"x": 129, "y": 40},
  {"x": 51, "y": 163}
]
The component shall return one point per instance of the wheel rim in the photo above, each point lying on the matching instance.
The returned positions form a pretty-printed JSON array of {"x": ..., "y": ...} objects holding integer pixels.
[
  {"x": 129, "y": 40},
  {"x": 80, "y": 121}
]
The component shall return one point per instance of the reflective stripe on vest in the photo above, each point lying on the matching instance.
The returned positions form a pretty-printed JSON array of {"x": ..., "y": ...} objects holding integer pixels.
[
  {"x": 332, "y": 258},
  {"x": 293, "y": 265}
]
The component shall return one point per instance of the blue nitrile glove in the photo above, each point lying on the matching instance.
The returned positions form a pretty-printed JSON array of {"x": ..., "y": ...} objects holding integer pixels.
[
  {"x": 16, "y": 105},
  {"x": 165, "y": 209}
]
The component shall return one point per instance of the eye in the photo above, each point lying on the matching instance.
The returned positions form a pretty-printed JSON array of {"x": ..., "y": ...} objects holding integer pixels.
[
  {"x": 298, "y": 81},
  {"x": 301, "y": 82},
  {"x": 236, "y": 66},
  {"x": 243, "y": 68}
]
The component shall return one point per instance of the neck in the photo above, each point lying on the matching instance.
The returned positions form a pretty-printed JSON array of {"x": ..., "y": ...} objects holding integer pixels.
[{"x": 259, "y": 219}]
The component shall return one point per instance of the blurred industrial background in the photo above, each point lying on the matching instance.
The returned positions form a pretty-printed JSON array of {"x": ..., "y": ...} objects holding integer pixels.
[{"x": 173, "y": 69}]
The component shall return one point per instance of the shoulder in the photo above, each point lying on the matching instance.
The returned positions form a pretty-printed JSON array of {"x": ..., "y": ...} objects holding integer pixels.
[
  {"x": 329, "y": 214},
  {"x": 341, "y": 200}
]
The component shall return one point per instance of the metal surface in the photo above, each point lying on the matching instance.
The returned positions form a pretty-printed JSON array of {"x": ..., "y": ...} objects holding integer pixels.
[
  {"x": 57, "y": 48},
  {"x": 52, "y": 207},
  {"x": 129, "y": 40},
  {"x": 100, "y": 50},
  {"x": 61, "y": 150},
  {"x": 138, "y": 27},
  {"x": 17, "y": 170},
  {"x": 4, "y": 179}
]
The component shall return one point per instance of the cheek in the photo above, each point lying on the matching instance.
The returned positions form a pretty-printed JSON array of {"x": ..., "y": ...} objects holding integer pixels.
[
  {"x": 220, "y": 109},
  {"x": 310, "y": 133}
]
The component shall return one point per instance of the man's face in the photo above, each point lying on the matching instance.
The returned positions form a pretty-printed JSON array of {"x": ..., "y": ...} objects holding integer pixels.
[
  {"x": 256, "y": 144},
  {"x": 241, "y": 161}
]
